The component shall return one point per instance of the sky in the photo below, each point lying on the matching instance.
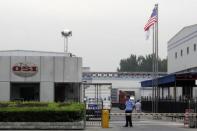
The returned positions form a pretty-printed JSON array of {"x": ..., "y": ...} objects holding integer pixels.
[{"x": 104, "y": 31}]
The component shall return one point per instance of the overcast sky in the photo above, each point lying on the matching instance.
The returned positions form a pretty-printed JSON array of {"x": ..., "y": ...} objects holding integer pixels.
[{"x": 104, "y": 31}]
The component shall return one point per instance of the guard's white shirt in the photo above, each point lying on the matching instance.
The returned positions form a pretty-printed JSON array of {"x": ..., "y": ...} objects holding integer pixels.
[{"x": 138, "y": 106}]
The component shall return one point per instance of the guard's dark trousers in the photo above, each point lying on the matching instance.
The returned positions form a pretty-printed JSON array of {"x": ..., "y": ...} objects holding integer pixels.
[{"x": 128, "y": 119}]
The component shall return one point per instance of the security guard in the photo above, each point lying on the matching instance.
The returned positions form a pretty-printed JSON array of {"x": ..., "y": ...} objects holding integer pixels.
[{"x": 129, "y": 108}]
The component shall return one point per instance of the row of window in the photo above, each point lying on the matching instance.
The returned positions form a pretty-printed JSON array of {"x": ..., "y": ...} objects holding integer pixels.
[
  {"x": 117, "y": 76},
  {"x": 187, "y": 50}
]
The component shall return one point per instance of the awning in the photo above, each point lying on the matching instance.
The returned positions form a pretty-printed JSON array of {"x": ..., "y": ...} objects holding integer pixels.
[{"x": 184, "y": 79}]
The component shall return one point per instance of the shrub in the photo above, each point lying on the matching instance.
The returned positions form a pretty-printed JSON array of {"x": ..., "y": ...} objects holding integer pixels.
[{"x": 41, "y": 112}]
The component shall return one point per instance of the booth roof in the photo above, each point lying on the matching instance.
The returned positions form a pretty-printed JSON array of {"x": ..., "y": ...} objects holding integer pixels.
[{"x": 183, "y": 79}]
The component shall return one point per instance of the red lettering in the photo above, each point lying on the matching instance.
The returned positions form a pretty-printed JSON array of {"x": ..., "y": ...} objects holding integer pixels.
[
  {"x": 16, "y": 68},
  {"x": 34, "y": 68},
  {"x": 26, "y": 68}
]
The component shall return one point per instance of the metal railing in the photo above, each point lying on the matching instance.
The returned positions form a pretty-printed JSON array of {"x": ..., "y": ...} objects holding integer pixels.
[{"x": 170, "y": 105}]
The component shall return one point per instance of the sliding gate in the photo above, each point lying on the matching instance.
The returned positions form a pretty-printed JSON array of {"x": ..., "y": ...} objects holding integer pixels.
[{"x": 97, "y": 96}]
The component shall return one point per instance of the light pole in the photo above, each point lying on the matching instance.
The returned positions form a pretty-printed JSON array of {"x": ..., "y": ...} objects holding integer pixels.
[{"x": 66, "y": 34}]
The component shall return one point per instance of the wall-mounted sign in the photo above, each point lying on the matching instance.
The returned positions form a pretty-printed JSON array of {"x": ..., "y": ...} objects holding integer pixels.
[{"x": 25, "y": 69}]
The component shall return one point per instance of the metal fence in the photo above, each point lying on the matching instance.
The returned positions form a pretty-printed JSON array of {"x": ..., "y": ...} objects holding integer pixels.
[
  {"x": 170, "y": 105},
  {"x": 93, "y": 112}
]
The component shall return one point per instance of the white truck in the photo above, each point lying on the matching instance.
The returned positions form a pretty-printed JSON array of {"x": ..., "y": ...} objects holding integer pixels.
[{"x": 97, "y": 97}]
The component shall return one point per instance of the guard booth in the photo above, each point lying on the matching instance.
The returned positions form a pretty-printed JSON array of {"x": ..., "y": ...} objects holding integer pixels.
[
  {"x": 97, "y": 96},
  {"x": 174, "y": 94}
]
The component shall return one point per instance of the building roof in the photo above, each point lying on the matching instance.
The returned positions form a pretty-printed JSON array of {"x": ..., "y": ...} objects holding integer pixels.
[
  {"x": 184, "y": 79},
  {"x": 32, "y": 53},
  {"x": 186, "y": 28}
]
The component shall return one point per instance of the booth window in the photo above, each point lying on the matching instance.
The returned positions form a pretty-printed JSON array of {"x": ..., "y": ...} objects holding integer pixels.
[
  {"x": 194, "y": 47},
  {"x": 181, "y": 52},
  {"x": 187, "y": 50},
  {"x": 175, "y": 55}
]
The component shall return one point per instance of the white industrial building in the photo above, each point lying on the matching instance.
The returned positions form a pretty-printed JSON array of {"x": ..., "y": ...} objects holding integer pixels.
[
  {"x": 182, "y": 51},
  {"x": 182, "y": 56},
  {"x": 40, "y": 76},
  {"x": 182, "y": 66}
]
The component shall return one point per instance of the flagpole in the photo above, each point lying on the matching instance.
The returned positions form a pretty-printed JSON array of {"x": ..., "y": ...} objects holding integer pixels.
[
  {"x": 153, "y": 70},
  {"x": 64, "y": 46},
  {"x": 153, "y": 22},
  {"x": 155, "y": 66},
  {"x": 156, "y": 61}
]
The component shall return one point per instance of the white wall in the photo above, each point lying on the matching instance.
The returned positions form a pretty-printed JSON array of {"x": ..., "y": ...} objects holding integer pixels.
[
  {"x": 4, "y": 91},
  {"x": 70, "y": 69},
  {"x": 146, "y": 93},
  {"x": 54, "y": 69},
  {"x": 179, "y": 91},
  {"x": 59, "y": 69},
  {"x": 165, "y": 92},
  {"x": 47, "y": 69},
  {"x": 4, "y": 68},
  {"x": 47, "y": 91},
  {"x": 185, "y": 38}
]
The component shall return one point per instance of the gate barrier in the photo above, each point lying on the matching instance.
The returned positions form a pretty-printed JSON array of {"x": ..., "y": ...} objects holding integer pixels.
[
  {"x": 105, "y": 116},
  {"x": 155, "y": 114},
  {"x": 105, "y": 119}
]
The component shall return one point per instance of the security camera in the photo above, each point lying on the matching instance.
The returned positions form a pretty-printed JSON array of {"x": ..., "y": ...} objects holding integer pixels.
[{"x": 66, "y": 33}]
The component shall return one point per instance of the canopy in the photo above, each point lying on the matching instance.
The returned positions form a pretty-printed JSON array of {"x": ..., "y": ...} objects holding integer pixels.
[{"x": 183, "y": 79}]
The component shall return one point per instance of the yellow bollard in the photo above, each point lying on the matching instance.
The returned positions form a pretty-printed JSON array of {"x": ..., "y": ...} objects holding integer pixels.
[{"x": 105, "y": 119}]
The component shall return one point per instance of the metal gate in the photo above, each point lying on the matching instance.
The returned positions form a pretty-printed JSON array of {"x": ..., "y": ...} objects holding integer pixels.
[
  {"x": 93, "y": 112},
  {"x": 97, "y": 96}
]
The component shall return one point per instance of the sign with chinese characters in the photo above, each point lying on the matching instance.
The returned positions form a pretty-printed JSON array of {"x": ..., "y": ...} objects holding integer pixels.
[{"x": 24, "y": 69}]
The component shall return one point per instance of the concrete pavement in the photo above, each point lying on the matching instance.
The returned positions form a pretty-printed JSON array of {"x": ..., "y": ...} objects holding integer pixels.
[
  {"x": 143, "y": 125},
  {"x": 138, "y": 126}
]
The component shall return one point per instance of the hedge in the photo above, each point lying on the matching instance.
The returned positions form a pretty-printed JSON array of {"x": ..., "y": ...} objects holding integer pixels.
[{"x": 41, "y": 112}]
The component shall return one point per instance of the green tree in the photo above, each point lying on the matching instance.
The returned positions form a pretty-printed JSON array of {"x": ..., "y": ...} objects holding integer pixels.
[
  {"x": 129, "y": 64},
  {"x": 141, "y": 64}
]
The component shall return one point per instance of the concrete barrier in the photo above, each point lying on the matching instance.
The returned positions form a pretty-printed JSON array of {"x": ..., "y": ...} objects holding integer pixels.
[{"x": 42, "y": 125}]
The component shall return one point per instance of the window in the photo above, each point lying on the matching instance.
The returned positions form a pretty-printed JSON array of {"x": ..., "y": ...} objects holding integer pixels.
[
  {"x": 187, "y": 50},
  {"x": 194, "y": 47},
  {"x": 175, "y": 55},
  {"x": 104, "y": 75},
  {"x": 99, "y": 75},
  {"x": 181, "y": 52}
]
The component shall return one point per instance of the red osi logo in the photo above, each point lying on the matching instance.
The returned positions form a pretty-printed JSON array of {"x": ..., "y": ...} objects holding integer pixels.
[{"x": 25, "y": 69}]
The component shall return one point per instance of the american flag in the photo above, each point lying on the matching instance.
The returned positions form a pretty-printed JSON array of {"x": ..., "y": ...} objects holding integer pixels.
[{"x": 152, "y": 20}]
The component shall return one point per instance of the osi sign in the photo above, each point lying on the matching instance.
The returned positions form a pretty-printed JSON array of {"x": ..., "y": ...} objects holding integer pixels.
[{"x": 24, "y": 69}]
